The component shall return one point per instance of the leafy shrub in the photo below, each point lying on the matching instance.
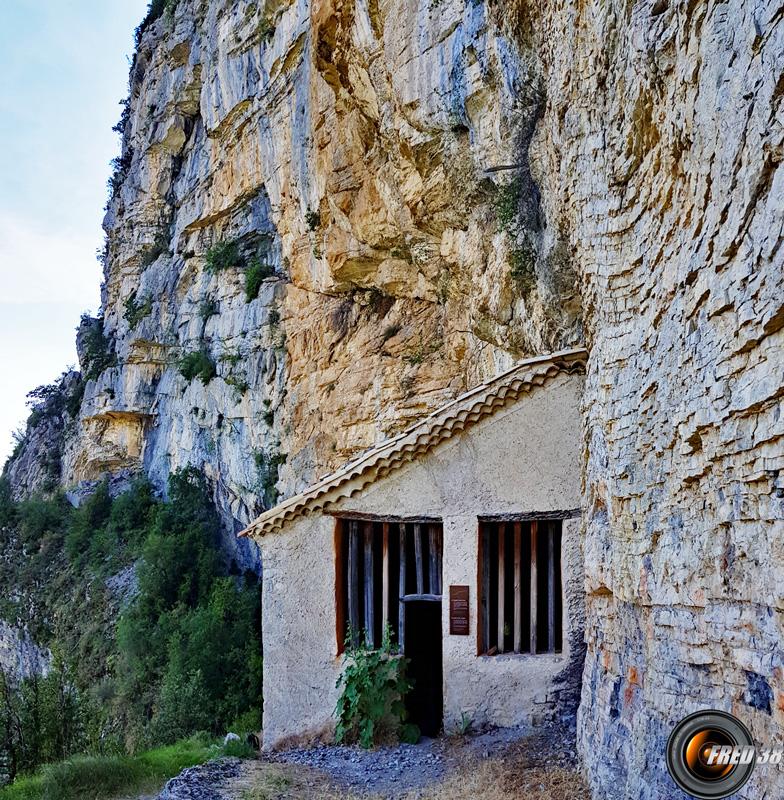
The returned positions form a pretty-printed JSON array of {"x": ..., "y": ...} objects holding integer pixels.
[
  {"x": 102, "y": 531},
  {"x": 373, "y": 685},
  {"x": 266, "y": 29},
  {"x": 240, "y": 385},
  {"x": 197, "y": 364},
  {"x": 73, "y": 401},
  {"x": 186, "y": 652},
  {"x": 86, "y": 521},
  {"x": 19, "y": 437},
  {"x": 190, "y": 641},
  {"x": 232, "y": 357},
  {"x": 48, "y": 401},
  {"x": 247, "y": 722},
  {"x": 208, "y": 308},
  {"x": 238, "y": 749},
  {"x": 254, "y": 276},
  {"x": 313, "y": 219},
  {"x": 120, "y": 166},
  {"x": 39, "y": 517},
  {"x": 181, "y": 709},
  {"x": 223, "y": 255},
  {"x": 8, "y": 513},
  {"x": 522, "y": 254},
  {"x": 422, "y": 351},
  {"x": 135, "y": 311}
]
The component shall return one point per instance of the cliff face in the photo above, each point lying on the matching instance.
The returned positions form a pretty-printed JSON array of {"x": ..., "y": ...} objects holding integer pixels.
[
  {"x": 340, "y": 149},
  {"x": 344, "y": 155},
  {"x": 19, "y": 655},
  {"x": 660, "y": 152}
]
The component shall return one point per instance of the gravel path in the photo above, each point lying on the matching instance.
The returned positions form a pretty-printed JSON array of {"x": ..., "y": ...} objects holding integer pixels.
[
  {"x": 386, "y": 771},
  {"x": 393, "y": 771}
]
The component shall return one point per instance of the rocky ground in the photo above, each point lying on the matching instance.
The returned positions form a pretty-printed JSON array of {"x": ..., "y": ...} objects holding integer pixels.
[{"x": 499, "y": 764}]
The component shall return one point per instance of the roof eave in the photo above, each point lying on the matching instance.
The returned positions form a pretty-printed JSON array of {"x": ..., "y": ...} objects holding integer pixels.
[{"x": 478, "y": 403}]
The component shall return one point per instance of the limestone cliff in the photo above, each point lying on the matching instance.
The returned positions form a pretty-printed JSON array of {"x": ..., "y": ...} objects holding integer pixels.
[
  {"x": 347, "y": 153},
  {"x": 659, "y": 152},
  {"x": 308, "y": 220},
  {"x": 19, "y": 655}
]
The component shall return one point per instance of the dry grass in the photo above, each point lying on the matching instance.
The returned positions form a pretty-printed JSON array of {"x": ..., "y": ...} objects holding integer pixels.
[
  {"x": 505, "y": 780},
  {"x": 510, "y": 777}
]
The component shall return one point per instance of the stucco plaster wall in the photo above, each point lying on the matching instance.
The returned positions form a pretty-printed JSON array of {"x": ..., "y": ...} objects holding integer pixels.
[
  {"x": 300, "y": 649},
  {"x": 524, "y": 458}
]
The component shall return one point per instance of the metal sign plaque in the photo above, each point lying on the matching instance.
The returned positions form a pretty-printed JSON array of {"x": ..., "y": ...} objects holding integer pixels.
[{"x": 458, "y": 610}]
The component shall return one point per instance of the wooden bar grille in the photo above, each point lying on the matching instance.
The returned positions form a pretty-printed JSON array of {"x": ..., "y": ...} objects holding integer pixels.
[
  {"x": 520, "y": 591},
  {"x": 380, "y": 564}
]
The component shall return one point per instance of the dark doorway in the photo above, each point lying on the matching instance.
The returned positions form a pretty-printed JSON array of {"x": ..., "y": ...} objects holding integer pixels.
[{"x": 425, "y": 702}]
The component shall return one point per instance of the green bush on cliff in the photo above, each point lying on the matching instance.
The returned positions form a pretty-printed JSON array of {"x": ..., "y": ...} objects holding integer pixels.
[
  {"x": 267, "y": 469},
  {"x": 136, "y": 311},
  {"x": 105, "y": 533},
  {"x": 42, "y": 517},
  {"x": 256, "y": 273},
  {"x": 8, "y": 515},
  {"x": 40, "y": 720},
  {"x": 223, "y": 255},
  {"x": 197, "y": 364},
  {"x": 507, "y": 202}
]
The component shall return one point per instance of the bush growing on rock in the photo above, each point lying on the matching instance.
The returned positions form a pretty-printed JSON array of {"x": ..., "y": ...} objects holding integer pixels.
[
  {"x": 313, "y": 219},
  {"x": 197, "y": 364},
  {"x": 136, "y": 311},
  {"x": 223, "y": 255},
  {"x": 507, "y": 202},
  {"x": 155, "y": 11},
  {"x": 267, "y": 468},
  {"x": 256, "y": 273},
  {"x": 151, "y": 253}
]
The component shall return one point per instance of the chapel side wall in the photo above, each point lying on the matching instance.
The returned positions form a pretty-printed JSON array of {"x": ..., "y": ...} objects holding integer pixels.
[
  {"x": 301, "y": 664},
  {"x": 524, "y": 458}
]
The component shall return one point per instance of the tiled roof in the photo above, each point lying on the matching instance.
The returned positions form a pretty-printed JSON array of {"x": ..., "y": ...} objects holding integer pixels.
[{"x": 462, "y": 413}]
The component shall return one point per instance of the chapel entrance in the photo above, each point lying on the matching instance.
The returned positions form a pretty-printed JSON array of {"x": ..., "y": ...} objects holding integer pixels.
[
  {"x": 388, "y": 577},
  {"x": 425, "y": 703}
]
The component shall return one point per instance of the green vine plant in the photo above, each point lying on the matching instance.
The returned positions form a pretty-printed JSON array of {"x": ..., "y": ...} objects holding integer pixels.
[{"x": 371, "y": 707}]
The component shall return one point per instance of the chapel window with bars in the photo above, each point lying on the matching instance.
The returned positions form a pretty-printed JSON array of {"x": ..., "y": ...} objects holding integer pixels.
[
  {"x": 380, "y": 564},
  {"x": 520, "y": 592}
]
